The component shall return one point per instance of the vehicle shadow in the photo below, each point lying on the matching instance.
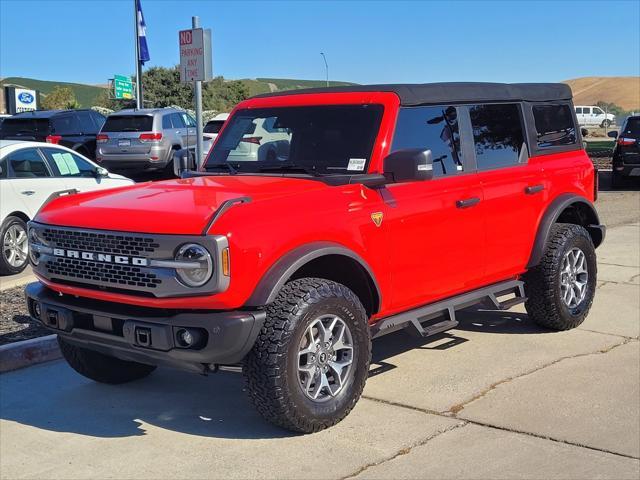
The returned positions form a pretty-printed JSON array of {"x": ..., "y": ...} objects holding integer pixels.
[
  {"x": 53, "y": 397},
  {"x": 629, "y": 185}
]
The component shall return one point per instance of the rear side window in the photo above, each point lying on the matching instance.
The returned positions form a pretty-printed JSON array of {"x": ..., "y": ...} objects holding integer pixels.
[
  {"x": 498, "y": 135},
  {"x": 67, "y": 164},
  {"x": 128, "y": 123},
  {"x": 24, "y": 126},
  {"x": 87, "y": 125},
  {"x": 27, "y": 163},
  {"x": 554, "y": 125},
  {"x": 66, "y": 125},
  {"x": 177, "y": 121},
  {"x": 431, "y": 128},
  {"x": 578, "y": 109},
  {"x": 166, "y": 122},
  {"x": 632, "y": 127}
]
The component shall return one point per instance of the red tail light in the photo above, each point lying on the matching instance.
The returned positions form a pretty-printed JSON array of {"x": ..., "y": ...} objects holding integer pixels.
[
  {"x": 55, "y": 139},
  {"x": 254, "y": 140},
  {"x": 102, "y": 138},
  {"x": 626, "y": 141},
  {"x": 150, "y": 137}
]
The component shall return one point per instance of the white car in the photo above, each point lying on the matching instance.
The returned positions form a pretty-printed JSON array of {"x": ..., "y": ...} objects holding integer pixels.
[
  {"x": 592, "y": 115},
  {"x": 262, "y": 141},
  {"x": 31, "y": 173},
  {"x": 210, "y": 132}
]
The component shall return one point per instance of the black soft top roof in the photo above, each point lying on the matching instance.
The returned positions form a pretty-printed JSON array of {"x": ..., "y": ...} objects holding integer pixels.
[{"x": 458, "y": 92}]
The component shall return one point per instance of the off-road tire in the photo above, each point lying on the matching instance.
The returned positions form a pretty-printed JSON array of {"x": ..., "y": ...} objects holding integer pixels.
[
  {"x": 542, "y": 283},
  {"x": 102, "y": 368},
  {"x": 5, "y": 267},
  {"x": 271, "y": 367}
]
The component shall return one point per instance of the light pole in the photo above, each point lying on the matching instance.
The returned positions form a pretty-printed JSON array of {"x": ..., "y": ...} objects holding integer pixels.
[{"x": 326, "y": 66}]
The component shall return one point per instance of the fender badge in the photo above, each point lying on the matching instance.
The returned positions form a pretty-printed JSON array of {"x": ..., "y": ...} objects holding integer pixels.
[{"x": 377, "y": 218}]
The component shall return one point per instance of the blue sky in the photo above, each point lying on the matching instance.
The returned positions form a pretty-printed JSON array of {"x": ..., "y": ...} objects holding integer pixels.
[{"x": 88, "y": 41}]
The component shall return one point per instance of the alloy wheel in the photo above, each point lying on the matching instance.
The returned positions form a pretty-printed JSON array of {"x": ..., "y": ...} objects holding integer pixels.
[
  {"x": 15, "y": 246},
  {"x": 574, "y": 278},
  {"x": 325, "y": 358}
]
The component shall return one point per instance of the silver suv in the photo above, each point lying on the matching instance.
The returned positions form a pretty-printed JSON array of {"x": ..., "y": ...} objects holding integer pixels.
[{"x": 145, "y": 139}]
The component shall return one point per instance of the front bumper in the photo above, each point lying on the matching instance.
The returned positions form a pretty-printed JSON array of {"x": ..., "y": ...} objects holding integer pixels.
[{"x": 147, "y": 335}]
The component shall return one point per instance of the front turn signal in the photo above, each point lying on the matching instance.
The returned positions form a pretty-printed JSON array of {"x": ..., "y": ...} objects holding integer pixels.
[{"x": 226, "y": 265}]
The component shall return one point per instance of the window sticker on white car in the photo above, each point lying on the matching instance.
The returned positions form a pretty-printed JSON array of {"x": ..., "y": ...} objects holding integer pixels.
[
  {"x": 66, "y": 164},
  {"x": 356, "y": 164}
]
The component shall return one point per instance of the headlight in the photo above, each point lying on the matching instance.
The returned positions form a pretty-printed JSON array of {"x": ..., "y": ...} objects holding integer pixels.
[
  {"x": 201, "y": 269},
  {"x": 34, "y": 240}
]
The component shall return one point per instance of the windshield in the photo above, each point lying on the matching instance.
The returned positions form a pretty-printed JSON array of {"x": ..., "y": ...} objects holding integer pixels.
[{"x": 327, "y": 139}]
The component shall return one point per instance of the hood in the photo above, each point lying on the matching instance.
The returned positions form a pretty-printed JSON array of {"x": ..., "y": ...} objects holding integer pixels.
[{"x": 181, "y": 206}]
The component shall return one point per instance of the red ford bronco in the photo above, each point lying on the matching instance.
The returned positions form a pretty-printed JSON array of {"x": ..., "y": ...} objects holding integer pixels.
[{"x": 367, "y": 209}]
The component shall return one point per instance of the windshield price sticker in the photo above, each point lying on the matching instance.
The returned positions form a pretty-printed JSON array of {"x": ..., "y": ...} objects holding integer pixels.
[{"x": 356, "y": 164}]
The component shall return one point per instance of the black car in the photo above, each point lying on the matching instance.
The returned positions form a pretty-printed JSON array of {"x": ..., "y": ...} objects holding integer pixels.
[
  {"x": 626, "y": 153},
  {"x": 75, "y": 129}
]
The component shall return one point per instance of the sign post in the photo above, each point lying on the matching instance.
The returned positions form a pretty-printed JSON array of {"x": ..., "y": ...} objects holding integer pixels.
[
  {"x": 195, "y": 66},
  {"x": 122, "y": 87}
]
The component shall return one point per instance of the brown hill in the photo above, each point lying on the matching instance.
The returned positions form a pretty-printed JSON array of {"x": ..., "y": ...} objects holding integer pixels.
[{"x": 623, "y": 91}]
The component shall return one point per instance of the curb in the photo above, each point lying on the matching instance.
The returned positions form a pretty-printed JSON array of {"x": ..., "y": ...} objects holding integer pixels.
[
  {"x": 7, "y": 283},
  {"x": 28, "y": 352}
]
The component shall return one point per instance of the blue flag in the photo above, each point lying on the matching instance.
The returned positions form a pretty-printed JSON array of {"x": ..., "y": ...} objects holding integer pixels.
[{"x": 143, "y": 49}]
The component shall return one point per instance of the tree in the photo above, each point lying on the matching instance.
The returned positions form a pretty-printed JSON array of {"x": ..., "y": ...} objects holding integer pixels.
[
  {"x": 161, "y": 87},
  {"x": 60, "y": 98},
  {"x": 222, "y": 95}
]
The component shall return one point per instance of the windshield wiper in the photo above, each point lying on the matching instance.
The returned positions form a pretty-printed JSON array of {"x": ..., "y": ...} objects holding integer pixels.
[
  {"x": 289, "y": 167},
  {"x": 232, "y": 170}
]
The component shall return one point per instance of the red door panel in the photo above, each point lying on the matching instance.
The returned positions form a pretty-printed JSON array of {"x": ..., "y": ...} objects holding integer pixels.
[
  {"x": 436, "y": 247},
  {"x": 513, "y": 198}
]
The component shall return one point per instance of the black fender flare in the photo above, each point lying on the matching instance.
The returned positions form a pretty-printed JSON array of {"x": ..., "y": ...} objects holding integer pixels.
[
  {"x": 551, "y": 215},
  {"x": 281, "y": 271}
]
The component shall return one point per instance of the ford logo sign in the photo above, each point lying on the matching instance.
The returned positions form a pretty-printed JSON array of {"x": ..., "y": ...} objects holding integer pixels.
[{"x": 26, "y": 97}]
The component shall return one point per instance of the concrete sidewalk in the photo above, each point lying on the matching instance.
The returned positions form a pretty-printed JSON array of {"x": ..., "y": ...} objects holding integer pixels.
[{"x": 496, "y": 398}]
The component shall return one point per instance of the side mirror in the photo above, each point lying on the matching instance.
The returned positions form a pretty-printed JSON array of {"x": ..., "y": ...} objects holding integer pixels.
[
  {"x": 183, "y": 160},
  {"x": 408, "y": 165},
  {"x": 102, "y": 172},
  {"x": 584, "y": 132},
  {"x": 613, "y": 134}
]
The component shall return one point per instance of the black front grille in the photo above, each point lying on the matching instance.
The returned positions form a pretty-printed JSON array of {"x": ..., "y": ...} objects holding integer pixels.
[
  {"x": 100, "y": 242},
  {"x": 124, "y": 275}
]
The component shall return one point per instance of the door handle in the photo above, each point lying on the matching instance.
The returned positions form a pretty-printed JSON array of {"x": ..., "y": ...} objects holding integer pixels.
[
  {"x": 467, "y": 202},
  {"x": 531, "y": 189},
  {"x": 28, "y": 193}
]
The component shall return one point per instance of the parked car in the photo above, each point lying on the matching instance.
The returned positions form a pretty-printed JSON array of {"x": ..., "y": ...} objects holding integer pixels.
[
  {"x": 593, "y": 115},
  {"x": 213, "y": 126},
  {"x": 211, "y": 130},
  {"x": 75, "y": 129},
  {"x": 31, "y": 173},
  {"x": 626, "y": 153},
  {"x": 394, "y": 206},
  {"x": 144, "y": 140}
]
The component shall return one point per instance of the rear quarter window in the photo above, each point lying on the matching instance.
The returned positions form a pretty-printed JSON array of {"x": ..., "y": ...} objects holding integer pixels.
[
  {"x": 554, "y": 125},
  {"x": 128, "y": 123}
]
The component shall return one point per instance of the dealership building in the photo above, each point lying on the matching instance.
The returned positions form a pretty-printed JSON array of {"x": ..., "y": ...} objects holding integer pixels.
[{"x": 16, "y": 99}]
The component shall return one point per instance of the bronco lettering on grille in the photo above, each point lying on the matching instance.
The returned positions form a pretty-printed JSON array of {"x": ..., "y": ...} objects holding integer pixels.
[{"x": 101, "y": 257}]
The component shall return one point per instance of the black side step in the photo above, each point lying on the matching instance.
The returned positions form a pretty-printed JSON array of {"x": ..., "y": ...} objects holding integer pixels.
[{"x": 441, "y": 316}]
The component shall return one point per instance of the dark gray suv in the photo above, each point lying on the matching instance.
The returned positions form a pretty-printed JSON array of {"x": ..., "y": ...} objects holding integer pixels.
[{"x": 144, "y": 140}]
